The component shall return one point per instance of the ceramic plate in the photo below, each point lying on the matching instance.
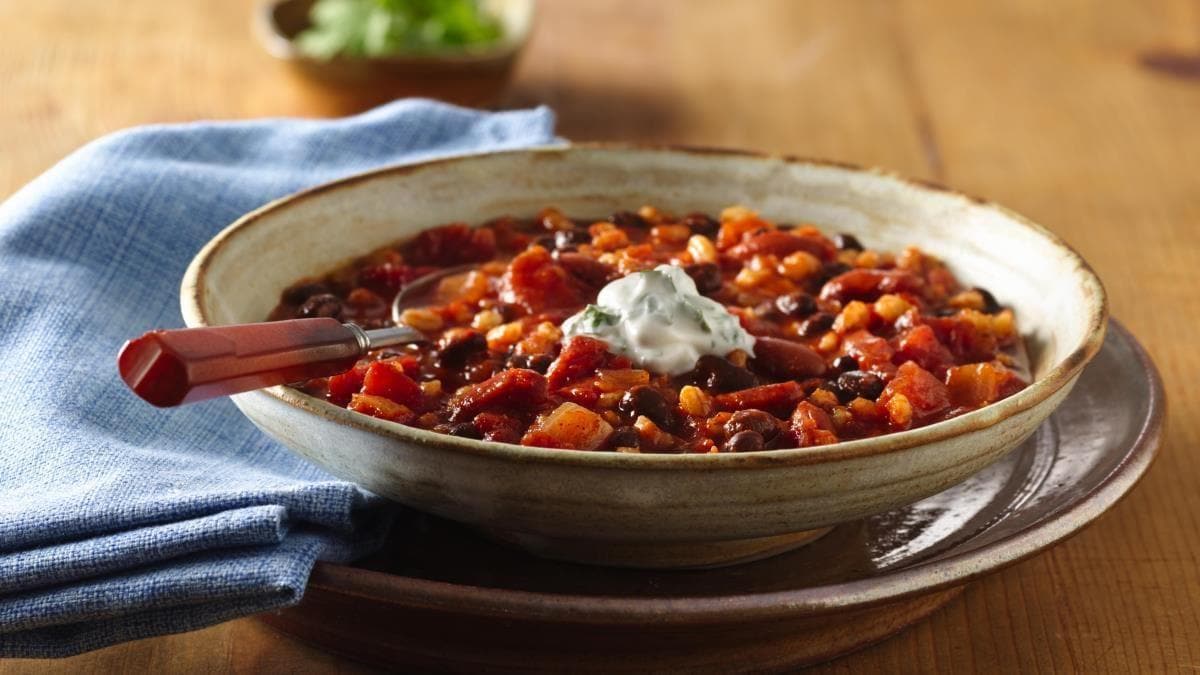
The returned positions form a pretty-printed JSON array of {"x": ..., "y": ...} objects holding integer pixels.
[{"x": 441, "y": 597}]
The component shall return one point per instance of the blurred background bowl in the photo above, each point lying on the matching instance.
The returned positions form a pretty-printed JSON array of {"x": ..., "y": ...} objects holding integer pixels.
[{"x": 474, "y": 76}]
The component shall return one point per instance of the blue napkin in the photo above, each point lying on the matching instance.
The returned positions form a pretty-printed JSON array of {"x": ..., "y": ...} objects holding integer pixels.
[{"x": 121, "y": 521}]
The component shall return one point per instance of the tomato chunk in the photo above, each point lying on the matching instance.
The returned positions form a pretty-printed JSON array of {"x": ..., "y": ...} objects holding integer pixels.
[
  {"x": 453, "y": 244},
  {"x": 388, "y": 379},
  {"x": 765, "y": 397},
  {"x": 383, "y": 408},
  {"x": 921, "y": 346},
  {"x": 580, "y": 357},
  {"x": 914, "y": 396},
  {"x": 513, "y": 388},
  {"x": 537, "y": 283},
  {"x": 812, "y": 426}
]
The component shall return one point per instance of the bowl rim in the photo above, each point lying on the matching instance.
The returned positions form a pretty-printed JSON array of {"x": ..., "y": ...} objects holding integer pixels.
[
  {"x": 278, "y": 44},
  {"x": 194, "y": 310}
]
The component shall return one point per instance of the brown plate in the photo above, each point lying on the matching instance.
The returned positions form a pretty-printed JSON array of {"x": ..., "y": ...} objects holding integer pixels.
[{"x": 440, "y": 597}]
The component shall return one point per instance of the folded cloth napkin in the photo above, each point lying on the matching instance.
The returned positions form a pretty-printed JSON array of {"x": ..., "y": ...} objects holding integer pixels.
[{"x": 118, "y": 520}]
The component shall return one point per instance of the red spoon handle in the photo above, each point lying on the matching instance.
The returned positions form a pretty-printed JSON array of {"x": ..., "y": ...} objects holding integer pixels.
[{"x": 170, "y": 367}]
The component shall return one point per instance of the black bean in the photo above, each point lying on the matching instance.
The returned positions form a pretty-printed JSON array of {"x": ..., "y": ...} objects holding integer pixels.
[
  {"x": 567, "y": 240},
  {"x": 832, "y": 269},
  {"x": 464, "y": 430},
  {"x": 299, "y": 293},
  {"x": 457, "y": 345},
  {"x": 744, "y": 441},
  {"x": 719, "y": 375},
  {"x": 847, "y": 242},
  {"x": 627, "y": 219},
  {"x": 796, "y": 305},
  {"x": 624, "y": 437},
  {"x": 767, "y": 310},
  {"x": 990, "y": 306},
  {"x": 323, "y": 305},
  {"x": 856, "y": 384},
  {"x": 646, "y": 400},
  {"x": 701, "y": 223},
  {"x": 762, "y": 423},
  {"x": 845, "y": 363},
  {"x": 509, "y": 311},
  {"x": 946, "y": 311},
  {"x": 546, "y": 241},
  {"x": 706, "y": 275},
  {"x": 816, "y": 324},
  {"x": 539, "y": 362}
]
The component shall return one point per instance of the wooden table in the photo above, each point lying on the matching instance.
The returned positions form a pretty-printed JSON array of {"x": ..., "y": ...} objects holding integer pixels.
[{"x": 1084, "y": 116}]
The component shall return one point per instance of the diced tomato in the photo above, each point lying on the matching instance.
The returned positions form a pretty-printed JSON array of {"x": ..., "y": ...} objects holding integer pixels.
[
  {"x": 580, "y": 357},
  {"x": 584, "y": 393},
  {"x": 770, "y": 397},
  {"x": 387, "y": 379},
  {"x": 383, "y": 408},
  {"x": 812, "y": 426},
  {"x": 499, "y": 427},
  {"x": 449, "y": 245},
  {"x": 569, "y": 426},
  {"x": 733, "y": 232},
  {"x": 389, "y": 278},
  {"x": 781, "y": 243},
  {"x": 978, "y": 384},
  {"x": 345, "y": 385},
  {"x": 925, "y": 393},
  {"x": 872, "y": 352},
  {"x": 514, "y": 388},
  {"x": 537, "y": 283},
  {"x": 921, "y": 346},
  {"x": 965, "y": 338}
]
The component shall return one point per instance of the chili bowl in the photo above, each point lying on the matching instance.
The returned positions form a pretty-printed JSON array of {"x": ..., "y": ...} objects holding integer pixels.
[{"x": 647, "y": 510}]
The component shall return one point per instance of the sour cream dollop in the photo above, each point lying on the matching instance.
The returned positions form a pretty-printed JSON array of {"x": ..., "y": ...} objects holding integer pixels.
[{"x": 660, "y": 321}]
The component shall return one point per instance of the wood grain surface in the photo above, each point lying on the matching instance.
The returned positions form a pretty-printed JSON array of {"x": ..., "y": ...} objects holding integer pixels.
[{"x": 1083, "y": 115}]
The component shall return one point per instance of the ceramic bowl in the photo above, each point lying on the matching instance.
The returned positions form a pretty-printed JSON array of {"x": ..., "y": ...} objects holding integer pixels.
[
  {"x": 474, "y": 76},
  {"x": 653, "y": 510}
]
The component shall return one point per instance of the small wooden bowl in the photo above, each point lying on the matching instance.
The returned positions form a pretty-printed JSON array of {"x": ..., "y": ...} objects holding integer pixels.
[{"x": 464, "y": 76}]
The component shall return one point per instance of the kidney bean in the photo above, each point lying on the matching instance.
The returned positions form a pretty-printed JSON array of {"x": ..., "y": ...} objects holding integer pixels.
[
  {"x": 816, "y": 324},
  {"x": 786, "y": 359},
  {"x": 857, "y": 383},
  {"x": 866, "y": 284},
  {"x": 464, "y": 430},
  {"x": 990, "y": 305},
  {"x": 762, "y": 423},
  {"x": 797, "y": 305},
  {"x": 567, "y": 240},
  {"x": 538, "y": 362},
  {"x": 627, "y": 219},
  {"x": 718, "y": 374},
  {"x": 706, "y": 275},
  {"x": 844, "y": 363},
  {"x": 625, "y": 437},
  {"x": 701, "y": 223},
  {"x": 457, "y": 345},
  {"x": 323, "y": 305},
  {"x": 646, "y": 400},
  {"x": 847, "y": 242},
  {"x": 744, "y": 441},
  {"x": 585, "y": 268}
]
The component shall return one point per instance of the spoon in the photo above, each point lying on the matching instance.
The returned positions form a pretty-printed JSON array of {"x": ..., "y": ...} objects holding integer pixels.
[{"x": 172, "y": 367}]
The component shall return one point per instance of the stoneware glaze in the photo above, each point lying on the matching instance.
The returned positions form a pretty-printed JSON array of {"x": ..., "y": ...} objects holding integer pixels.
[{"x": 653, "y": 510}]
